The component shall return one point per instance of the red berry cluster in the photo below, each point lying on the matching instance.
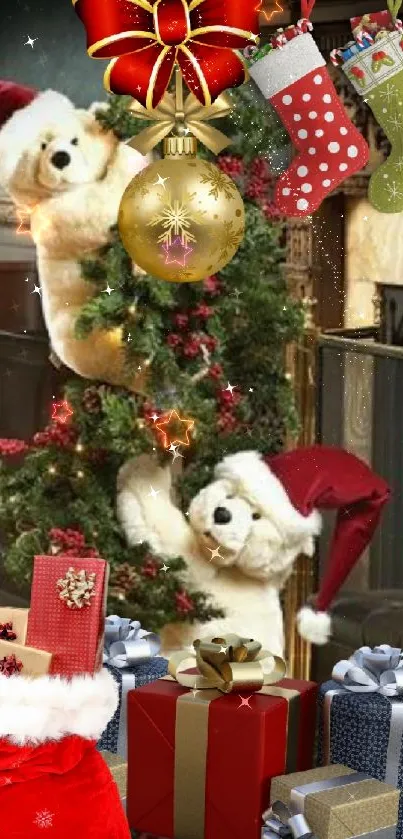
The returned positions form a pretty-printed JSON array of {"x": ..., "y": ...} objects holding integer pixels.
[
  {"x": 190, "y": 338},
  {"x": 6, "y": 632},
  {"x": 231, "y": 165},
  {"x": 71, "y": 542},
  {"x": 8, "y": 448},
  {"x": 9, "y": 665},
  {"x": 56, "y": 434},
  {"x": 227, "y": 401},
  {"x": 256, "y": 179},
  {"x": 150, "y": 567},
  {"x": 212, "y": 286},
  {"x": 183, "y": 603}
]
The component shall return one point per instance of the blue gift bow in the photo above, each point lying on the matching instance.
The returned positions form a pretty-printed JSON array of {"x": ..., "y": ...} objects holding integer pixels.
[
  {"x": 126, "y": 645},
  {"x": 377, "y": 670},
  {"x": 281, "y": 821}
]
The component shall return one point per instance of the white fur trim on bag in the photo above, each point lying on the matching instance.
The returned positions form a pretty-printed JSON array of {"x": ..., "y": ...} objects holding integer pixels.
[
  {"x": 253, "y": 479},
  {"x": 49, "y": 707},
  {"x": 315, "y": 627},
  {"x": 280, "y": 68}
]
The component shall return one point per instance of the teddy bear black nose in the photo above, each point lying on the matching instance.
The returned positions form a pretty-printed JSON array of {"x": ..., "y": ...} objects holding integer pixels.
[
  {"x": 222, "y": 515},
  {"x": 60, "y": 159}
]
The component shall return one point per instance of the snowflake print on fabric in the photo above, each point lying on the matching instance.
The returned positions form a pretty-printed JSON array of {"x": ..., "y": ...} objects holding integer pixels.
[
  {"x": 44, "y": 818},
  {"x": 298, "y": 85},
  {"x": 382, "y": 89}
]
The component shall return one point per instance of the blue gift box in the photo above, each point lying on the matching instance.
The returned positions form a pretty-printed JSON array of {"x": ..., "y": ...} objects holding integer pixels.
[
  {"x": 363, "y": 731},
  {"x": 143, "y": 674}
]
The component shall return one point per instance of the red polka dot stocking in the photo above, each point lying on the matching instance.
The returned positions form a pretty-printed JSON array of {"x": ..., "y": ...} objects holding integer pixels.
[{"x": 296, "y": 82}]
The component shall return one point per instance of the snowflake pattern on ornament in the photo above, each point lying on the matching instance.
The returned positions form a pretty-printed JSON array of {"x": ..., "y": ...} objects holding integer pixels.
[{"x": 44, "y": 818}]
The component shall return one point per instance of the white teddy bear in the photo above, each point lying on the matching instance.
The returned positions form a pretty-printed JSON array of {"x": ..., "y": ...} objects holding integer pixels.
[
  {"x": 247, "y": 527},
  {"x": 60, "y": 165},
  {"x": 235, "y": 550}
]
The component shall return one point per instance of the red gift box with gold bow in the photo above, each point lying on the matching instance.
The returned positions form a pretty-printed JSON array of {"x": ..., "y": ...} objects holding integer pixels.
[
  {"x": 201, "y": 759},
  {"x": 67, "y": 612}
]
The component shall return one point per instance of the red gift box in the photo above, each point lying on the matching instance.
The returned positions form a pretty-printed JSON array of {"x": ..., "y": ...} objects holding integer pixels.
[
  {"x": 74, "y": 635},
  {"x": 200, "y": 762}
]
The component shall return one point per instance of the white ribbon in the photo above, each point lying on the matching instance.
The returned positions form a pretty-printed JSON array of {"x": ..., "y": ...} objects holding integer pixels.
[{"x": 377, "y": 670}]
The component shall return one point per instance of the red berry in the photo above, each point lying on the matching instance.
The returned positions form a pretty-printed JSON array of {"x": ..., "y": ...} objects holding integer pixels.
[
  {"x": 212, "y": 285},
  {"x": 174, "y": 340},
  {"x": 184, "y": 604},
  {"x": 230, "y": 164},
  {"x": 181, "y": 320},
  {"x": 215, "y": 371},
  {"x": 202, "y": 311}
]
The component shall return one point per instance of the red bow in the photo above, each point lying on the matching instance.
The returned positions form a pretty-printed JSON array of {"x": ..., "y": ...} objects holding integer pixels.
[{"x": 146, "y": 38}]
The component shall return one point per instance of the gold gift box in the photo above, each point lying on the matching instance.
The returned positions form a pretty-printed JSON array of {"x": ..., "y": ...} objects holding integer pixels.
[
  {"x": 19, "y": 620},
  {"x": 341, "y": 812},
  {"x": 118, "y": 768},
  {"x": 34, "y": 662}
]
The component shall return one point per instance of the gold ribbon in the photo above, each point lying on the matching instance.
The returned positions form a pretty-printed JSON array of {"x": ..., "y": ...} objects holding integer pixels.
[
  {"x": 188, "y": 114},
  {"x": 227, "y": 664}
]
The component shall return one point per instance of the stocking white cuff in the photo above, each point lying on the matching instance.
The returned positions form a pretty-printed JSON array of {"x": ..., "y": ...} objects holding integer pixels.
[{"x": 281, "y": 67}]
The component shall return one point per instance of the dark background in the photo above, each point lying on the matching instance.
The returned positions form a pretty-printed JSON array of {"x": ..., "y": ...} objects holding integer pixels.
[{"x": 58, "y": 59}]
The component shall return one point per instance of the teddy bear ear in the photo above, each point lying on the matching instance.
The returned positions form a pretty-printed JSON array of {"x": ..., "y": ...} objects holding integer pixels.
[{"x": 89, "y": 121}]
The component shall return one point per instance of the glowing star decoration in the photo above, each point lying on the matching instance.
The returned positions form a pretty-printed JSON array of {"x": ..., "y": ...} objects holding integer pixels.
[
  {"x": 177, "y": 252},
  {"x": 61, "y": 412},
  {"x": 274, "y": 11},
  {"x": 175, "y": 430}
]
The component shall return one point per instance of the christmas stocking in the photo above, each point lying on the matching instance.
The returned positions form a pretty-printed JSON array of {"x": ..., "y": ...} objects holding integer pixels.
[
  {"x": 294, "y": 78},
  {"x": 377, "y": 75}
]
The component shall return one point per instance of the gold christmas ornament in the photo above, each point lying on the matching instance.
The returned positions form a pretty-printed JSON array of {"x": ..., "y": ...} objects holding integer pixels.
[{"x": 181, "y": 219}]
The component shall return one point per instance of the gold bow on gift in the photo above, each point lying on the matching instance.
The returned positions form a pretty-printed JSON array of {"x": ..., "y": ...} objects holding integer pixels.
[
  {"x": 188, "y": 114},
  {"x": 230, "y": 663}
]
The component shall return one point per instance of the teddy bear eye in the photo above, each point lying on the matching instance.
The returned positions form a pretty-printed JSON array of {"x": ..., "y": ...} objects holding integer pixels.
[
  {"x": 74, "y": 141},
  {"x": 256, "y": 516},
  {"x": 229, "y": 497},
  {"x": 43, "y": 146}
]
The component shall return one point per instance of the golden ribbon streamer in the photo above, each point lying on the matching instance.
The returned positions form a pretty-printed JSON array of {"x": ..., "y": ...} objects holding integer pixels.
[
  {"x": 190, "y": 115},
  {"x": 227, "y": 664}
]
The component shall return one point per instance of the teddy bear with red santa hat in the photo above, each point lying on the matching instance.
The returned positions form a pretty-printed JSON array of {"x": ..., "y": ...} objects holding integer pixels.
[{"x": 245, "y": 529}]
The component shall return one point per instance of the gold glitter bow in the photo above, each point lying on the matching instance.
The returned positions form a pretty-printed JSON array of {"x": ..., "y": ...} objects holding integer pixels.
[
  {"x": 77, "y": 588},
  {"x": 230, "y": 663},
  {"x": 187, "y": 115}
]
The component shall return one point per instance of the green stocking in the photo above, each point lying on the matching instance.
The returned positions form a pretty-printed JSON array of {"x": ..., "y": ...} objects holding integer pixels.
[{"x": 377, "y": 75}]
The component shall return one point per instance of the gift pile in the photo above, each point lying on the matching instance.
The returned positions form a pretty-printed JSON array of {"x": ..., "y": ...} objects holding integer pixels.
[{"x": 362, "y": 716}]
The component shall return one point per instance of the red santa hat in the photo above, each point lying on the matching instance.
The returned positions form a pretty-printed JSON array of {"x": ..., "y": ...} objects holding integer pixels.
[
  {"x": 290, "y": 488},
  {"x": 13, "y": 97}
]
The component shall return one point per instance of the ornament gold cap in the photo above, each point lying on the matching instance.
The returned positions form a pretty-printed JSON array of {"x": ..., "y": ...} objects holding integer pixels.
[{"x": 179, "y": 147}]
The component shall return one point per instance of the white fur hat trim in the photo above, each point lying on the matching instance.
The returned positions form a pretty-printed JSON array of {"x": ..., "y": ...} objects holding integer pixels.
[
  {"x": 50, "y": 707},
  {"x": 315, "y": 627},
  {"x": 253, "y": 479}
]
